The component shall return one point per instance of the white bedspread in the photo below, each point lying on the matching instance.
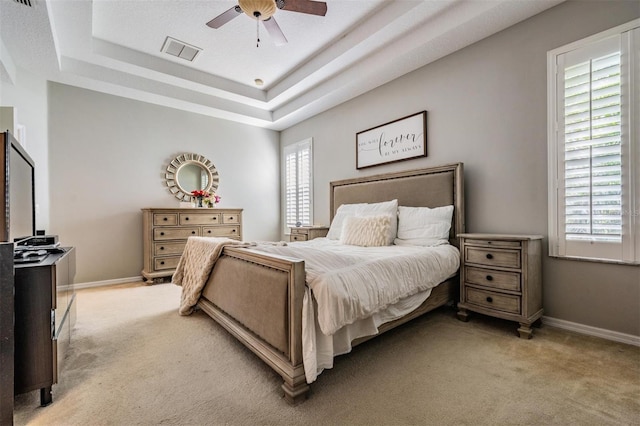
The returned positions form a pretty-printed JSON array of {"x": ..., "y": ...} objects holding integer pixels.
[
  {"x": 351, "y": 283},
  {"x": 356, "y": 289}
]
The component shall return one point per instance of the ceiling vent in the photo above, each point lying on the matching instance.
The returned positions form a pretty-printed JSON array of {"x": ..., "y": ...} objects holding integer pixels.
[
  {"x": 24, "y": 2},
  {"x": 180, "y": 49}
]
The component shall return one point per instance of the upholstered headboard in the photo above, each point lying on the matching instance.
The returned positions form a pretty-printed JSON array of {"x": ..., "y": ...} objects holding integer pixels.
[{"x": 432, "y": 187}]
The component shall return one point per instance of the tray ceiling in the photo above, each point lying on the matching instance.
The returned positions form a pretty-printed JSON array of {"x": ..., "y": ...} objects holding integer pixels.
[{"x": 115, "y": 46}]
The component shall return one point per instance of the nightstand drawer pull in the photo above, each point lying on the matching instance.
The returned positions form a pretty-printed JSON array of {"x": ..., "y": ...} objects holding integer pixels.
[
  {"x": 490, "y": 299},
  {"x": 489, "y": 256},
  {"x": 161, "y": 248},
  {"x": 162, "y": 233},
  {"x": 489, "y": 278},
  {"x": 186, "y": 218},
  {"x": 162, "y": 263},
  {"x": 193, "y": 232},
  {"x": 165, "y": 219}
]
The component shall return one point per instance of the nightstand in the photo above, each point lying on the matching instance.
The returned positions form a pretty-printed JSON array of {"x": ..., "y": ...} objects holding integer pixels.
[
  {"x": 306, "y": 233},
  {"x": 501, "y": 276}
]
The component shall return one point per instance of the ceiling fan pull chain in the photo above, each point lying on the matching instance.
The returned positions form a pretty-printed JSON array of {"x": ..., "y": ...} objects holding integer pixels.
[{"x": 257, "y": 32}]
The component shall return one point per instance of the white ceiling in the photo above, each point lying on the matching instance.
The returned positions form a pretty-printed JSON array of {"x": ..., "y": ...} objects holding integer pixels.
[{"x": 114, "y": 46}]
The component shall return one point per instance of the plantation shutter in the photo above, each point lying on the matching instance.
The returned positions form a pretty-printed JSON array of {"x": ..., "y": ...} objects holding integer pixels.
[
  {"x": 298, "y": 184},
  {"x": 594, "y": 159},
  {"x": 592, "y": 148}
]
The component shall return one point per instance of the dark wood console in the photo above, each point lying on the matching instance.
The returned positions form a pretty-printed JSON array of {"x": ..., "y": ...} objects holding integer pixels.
[
  {"x": 44, "y": 317},
  {"x": 6, "y": 333}
]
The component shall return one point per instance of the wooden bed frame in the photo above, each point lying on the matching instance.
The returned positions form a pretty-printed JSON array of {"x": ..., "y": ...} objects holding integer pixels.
[{"x": 258, "y": 297}]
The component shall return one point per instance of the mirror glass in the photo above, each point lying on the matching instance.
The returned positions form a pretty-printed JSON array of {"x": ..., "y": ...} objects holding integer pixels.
[
  {"x": 192, "y": 176},
  {"x": 189, "y": 172}
]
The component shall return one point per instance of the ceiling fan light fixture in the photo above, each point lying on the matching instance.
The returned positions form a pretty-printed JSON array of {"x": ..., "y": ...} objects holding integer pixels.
[{"x": 259, "y": 9}]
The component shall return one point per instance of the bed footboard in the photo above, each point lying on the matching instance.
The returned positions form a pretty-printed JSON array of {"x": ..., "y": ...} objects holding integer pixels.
[{"x": 258, "y": 299}]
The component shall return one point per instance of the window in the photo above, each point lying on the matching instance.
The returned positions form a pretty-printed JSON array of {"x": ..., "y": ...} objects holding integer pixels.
[
  {"x": 594, "y": 177},
  {"x": 298, "y": 184}
]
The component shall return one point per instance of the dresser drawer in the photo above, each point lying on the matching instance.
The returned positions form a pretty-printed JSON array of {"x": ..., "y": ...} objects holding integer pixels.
[
  {"x": 165, "y": 219},
  {"x": 297, "y": 237},
  {"x": 169, "y": 262},
  {"x": 230, "y": 218},
  {"x": 486, "y": 256},
  {"x": 160, "y": 234},
  {"x": 167, "y": 248},
  {"x": 222, "y": 231},
  {"x": 491, "y": 278},
  {"x": 199, "y": 219},
  {"x": 493, "y": 300}
]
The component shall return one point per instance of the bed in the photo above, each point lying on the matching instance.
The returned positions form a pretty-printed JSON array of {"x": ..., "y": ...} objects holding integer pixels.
[{"x": 258, "y": 296}]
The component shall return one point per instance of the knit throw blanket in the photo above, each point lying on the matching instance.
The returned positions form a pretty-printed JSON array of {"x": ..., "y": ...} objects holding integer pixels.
[{"x": 193, "y": 270}]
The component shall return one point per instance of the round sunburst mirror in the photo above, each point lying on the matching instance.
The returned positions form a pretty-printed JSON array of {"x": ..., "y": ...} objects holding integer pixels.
[{"x": 189, "y": 172}]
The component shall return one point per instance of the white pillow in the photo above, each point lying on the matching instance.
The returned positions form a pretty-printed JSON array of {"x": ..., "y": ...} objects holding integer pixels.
[
  {"x": 365, "y": 231},
  {"x": 363, "y": 209},
  {"x": 424, "y": 226}
]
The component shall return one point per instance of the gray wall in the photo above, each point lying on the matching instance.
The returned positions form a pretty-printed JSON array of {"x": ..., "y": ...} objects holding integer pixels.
[
  {"x": 107, "y": 157},
  {"x": 487, "y": 108}
]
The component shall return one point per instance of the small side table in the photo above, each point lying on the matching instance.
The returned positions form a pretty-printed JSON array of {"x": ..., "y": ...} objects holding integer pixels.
[
  {"x": 306, "y": 233},
  {"x": 501, "y": 276}
]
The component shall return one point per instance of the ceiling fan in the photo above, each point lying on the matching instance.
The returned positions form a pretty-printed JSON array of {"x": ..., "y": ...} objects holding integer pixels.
[{"x": 263, "y": 10}]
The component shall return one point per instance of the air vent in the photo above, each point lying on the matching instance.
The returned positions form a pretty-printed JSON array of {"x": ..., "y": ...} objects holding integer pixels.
[
  {"x": 180, "y": 49},
  {"x": 24, "y": 2}
]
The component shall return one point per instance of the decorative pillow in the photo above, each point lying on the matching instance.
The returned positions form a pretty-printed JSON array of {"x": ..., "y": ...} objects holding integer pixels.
[
  {"x": 424, "y": 226},
  {"x": 365, "y": 231},
  {"x": 389, "y": 208}
]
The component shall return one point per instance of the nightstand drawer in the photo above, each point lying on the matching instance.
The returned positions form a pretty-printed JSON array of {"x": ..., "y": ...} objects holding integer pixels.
[
  {"x": 297, "y": 237},
  {"x": 494, "y": 243},
  {"x": 166, "y": 262},
  {"x": 299, "y": 231},
  {"x": 504, "y": 258},
  {"x": 173, "y": 233},
  {"x": 491, "y": 278},
  {"x": 493, "y": 300},
  {"x": 166, "y": 248}
]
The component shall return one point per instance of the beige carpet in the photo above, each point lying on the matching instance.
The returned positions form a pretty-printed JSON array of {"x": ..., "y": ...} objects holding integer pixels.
[{"x": 134, "y": 360}]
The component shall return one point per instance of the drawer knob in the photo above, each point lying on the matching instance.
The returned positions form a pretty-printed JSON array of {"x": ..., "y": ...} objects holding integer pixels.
[
  {"x": 186, "y": 218},
  {"x": 209, "y": 231},
  {"x": 162, "y": 263},
  {"x": 489, "y": 299},
  {"x": 489, "y": 278},
  {"x": 230, "y": 217},
  {"x": 233, "y": 231},
  {"x": 162, "y": 233},
  {"x": 165, "y": 219},
  {"x": 489, "y": 256},
  {"x": 193, "y": 232},
  {"x": 161, "y": 248}
]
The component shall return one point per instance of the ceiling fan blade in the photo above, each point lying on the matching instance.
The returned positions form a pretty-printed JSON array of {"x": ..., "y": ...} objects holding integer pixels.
[
  {"x": 224, "y": 17},
  {"x": 275, "y": 32},
  {"x": 305, "y": 6}
]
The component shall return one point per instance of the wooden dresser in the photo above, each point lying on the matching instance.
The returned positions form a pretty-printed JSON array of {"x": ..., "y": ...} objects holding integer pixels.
[
  {"x": 501, "y": 276},
  {"x": 165, "y": 233},
  {"x": 306, "y": 233}
]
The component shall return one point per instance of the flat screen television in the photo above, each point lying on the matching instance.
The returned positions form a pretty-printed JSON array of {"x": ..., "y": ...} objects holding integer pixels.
[{"x": 18, "y": 191}]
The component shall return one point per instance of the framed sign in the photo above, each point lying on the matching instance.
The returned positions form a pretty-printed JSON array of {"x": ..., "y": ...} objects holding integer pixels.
[{"x": 397, "y": 140}]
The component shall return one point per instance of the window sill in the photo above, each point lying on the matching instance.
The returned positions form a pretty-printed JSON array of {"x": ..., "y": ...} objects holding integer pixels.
[{"x": 590, "y": 259}]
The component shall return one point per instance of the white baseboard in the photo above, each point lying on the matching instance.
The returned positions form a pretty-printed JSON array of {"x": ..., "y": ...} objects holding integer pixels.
[
  {"x": 629, "y": 339},
  {"x": 104, "y": 283}
]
